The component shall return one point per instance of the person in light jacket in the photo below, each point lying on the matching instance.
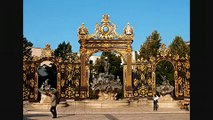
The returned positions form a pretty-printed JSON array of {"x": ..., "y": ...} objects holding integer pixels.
[{"x": 155, "y": 101}]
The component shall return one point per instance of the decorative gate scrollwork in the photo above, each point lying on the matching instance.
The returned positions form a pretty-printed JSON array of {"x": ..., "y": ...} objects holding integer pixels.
[
  {"x": 68, "y": 76},
  {"x": 144, "y": 77},
  {"x": 106, "y": 39},
  {"x": 73, "y": 74},
  {"x": 30, "y": 77}
]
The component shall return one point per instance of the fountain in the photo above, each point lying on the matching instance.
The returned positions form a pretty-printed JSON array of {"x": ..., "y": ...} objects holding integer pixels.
[
  {"x": 165, "y": 90},
  {"x": 45, "y": 101},
  {"x": 108, "y": 88},
  {"x": 44, "y": 90}
]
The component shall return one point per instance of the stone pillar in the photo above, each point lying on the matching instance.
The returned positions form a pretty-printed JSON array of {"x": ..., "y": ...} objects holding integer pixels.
[
  {"x": 36, "y": 86},
  {"x": 124, "y": 79},
  {"x": 59, "y": 83},
  {"x": 176, "y": 88},
  {"x": 129, "y": 76},
  {"x": 83, "y": 87},
  {"x": 153, "y": 83}
]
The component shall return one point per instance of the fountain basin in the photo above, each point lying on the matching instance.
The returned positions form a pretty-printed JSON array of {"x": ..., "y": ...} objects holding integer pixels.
[
  {"x": 48, "y": 105},
  {"x": 166, "y": 102}
]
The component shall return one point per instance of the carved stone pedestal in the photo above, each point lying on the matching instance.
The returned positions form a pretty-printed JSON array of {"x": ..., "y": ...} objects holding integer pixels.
[
  {"x": 167, "y": 102},
  {"x": 105, "y": 103},
  {"x": 45, "y": 103},
  {"x": 106, "y": 96},
  {"x": 45, "y": 99}
]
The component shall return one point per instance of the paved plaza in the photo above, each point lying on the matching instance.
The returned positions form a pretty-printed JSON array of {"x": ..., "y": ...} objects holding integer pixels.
[{"x": 137, "y": 112}]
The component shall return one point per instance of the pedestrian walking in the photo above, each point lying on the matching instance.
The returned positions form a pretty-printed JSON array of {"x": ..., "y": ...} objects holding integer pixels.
[
  {"x": 155, "y": 102},
  {"x": 53, "y": 104}
]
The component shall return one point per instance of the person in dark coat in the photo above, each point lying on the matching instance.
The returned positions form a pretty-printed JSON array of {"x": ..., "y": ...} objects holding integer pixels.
[{"x": 53, "y": 104}]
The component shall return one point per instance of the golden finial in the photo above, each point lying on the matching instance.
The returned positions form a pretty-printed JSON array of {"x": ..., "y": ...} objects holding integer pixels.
[
  {"x": 105, "y": 18},
  {"x": 47, "y": 46}
]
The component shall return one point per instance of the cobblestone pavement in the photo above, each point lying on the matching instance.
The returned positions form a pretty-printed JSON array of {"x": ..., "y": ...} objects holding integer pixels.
[{"x": 73, "y": 112}]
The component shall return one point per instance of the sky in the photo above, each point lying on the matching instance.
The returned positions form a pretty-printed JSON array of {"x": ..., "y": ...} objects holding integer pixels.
[{"x": 55, "y": 21}]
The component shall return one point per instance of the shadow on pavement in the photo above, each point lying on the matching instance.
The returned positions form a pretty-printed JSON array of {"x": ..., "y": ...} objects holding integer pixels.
[
  {"x": 29, "y": 117},
  {"x": 110, "y": 117},
  {"x": 35, "y": 115},
  {"x": 65, "y": 115}
]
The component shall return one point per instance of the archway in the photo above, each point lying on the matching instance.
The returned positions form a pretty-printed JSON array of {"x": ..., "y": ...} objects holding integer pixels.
[
  {"x": 67, "y": 71},
  {"x": 144, "y": 77},
  {"x": 47, "y": 71},
  {"x": 165, "y": 69},
  {"x": 96, "y": 67},
  {"x": 105, "y": 39},
  {"x": 181, "y": 74}
]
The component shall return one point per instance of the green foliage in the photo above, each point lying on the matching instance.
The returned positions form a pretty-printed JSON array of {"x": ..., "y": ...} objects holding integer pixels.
[
  {"x": 27, "y": 48},
  {"x": 151, "y": 46},
  {"x": 164, "y": 68},
  {"x": 52, "y": 74},
  {"x": 178, "y": 46},
  {"x": 99, "y": 66},
  {"x": 63, "y": 50},
  {"x": 115, "y": 64}
]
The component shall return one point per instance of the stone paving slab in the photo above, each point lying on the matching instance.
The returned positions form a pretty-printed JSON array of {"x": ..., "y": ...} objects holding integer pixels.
[
  {"x": 143, "y": 116},
  {"x": 144, "y": 112}
]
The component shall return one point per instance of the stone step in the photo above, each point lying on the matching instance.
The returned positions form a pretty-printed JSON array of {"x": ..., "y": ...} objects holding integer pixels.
[
  {"x": 168, "y": 105},
  {"x": 47, "y": 105}
]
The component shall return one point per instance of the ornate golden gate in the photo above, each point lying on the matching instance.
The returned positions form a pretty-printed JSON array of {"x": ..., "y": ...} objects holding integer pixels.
[
  {"x": 68, "y": 76},
  {"x": 105, "y": 39},
  {"x": 145, "y": 85},
  {"x": 73, "y": 74}
]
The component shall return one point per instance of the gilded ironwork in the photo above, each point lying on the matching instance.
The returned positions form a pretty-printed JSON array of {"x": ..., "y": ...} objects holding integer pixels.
[
  {"x": 67, "y": 71},
  {"x": 69, "y": 75},
  {"x": 148, "y": 69},
  {"x": 26, "y": 92},
  {"x": 142, "y": 91},
  {"x": 72, "y": 74},
  {"x": 46, "y": 52},
  {"x": 69, "y": 92},
  {"x": 107, "y": 31},
  {"x": 163, "y": 51},
  {"x": 106, "y": 39}
]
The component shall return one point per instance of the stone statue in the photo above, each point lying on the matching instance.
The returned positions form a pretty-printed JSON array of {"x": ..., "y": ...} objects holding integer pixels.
[
  {"x": 128, "y": 29},
  {"x": 107, "y": 84},
  {"x": 106, "y": 66},
  {"x": 165, "y": 88},
  {"x": 165, "y": 81},
  {"x": 45, "y": 89},
  {"x": 95, "y": 81},
  {"x": 45, "y": 85},
  {"x": 118, "y": 79}
]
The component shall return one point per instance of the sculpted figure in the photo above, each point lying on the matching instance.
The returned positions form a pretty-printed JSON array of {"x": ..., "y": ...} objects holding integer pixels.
[
  {"x": 106, "y": 66},
  {"x": 128, "y": 30}
]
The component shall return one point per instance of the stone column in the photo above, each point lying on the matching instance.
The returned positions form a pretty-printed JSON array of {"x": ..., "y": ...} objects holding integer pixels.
[
  {"x": 83, "y": 87},
  {"x": 36, "y": 85},
  {"x": 124, "y": 79},
  {"x": 153, "y": 82},
  {"x": 129, "y": 76},
  {"x": 59, "y": 83}
]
